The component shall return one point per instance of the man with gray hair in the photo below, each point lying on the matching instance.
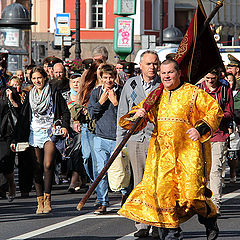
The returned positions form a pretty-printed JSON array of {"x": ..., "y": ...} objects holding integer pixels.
[
  {"x": 135, "y": 90},
  {"x": 100, "y": 53}
]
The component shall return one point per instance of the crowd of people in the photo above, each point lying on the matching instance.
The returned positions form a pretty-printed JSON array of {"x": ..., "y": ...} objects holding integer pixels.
[
  {"x": 34, "y": 101},
  {"x": 63, "y": 126}
]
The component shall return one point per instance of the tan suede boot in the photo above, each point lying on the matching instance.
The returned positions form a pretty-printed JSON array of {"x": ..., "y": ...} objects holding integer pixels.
[
  {"x": 40, "y": 205},
  {"x": 47, "y": 203}
]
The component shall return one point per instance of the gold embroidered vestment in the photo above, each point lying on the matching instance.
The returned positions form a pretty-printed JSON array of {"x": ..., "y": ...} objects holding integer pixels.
[{"x": 173, "y": 185}]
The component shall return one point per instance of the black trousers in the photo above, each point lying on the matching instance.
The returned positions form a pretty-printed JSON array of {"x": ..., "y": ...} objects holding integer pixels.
[{"x": 25, "y": 170}]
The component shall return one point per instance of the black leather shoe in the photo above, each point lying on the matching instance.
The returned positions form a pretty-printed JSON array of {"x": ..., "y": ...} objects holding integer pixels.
[
  {"x": 212, "y": 229},
  {"x": 141, "y": 233},
  {"x": 71, "y": 190},
  {"x": 211, "y": 226},
  {"x": 155, "y": 233}
]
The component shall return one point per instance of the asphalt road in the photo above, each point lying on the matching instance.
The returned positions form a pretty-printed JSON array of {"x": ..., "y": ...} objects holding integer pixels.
[{"x": 19, "y": 221}]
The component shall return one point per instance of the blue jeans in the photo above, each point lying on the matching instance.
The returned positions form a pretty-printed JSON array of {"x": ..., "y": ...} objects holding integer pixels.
[
  {"x": 103, "y": 149},
  {"x": 88, "y": 151}
]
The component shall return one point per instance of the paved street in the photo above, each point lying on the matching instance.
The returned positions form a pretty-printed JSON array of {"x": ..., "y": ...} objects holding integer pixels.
[{"x": 19, "y": 221}]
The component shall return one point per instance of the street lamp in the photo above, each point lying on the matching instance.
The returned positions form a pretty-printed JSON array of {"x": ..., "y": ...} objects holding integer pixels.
[
  {"x": 161, "y": 23},
  {"x": 78, "y": 47}
]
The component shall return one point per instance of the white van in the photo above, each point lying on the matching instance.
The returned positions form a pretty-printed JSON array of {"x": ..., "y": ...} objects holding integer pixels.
[{"x": 163, "y": 51}]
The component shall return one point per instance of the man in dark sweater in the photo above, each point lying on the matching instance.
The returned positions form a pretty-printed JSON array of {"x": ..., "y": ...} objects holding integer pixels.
[
  {"x": 102, "y": 107},
  {"x": 61, "y": 83}
]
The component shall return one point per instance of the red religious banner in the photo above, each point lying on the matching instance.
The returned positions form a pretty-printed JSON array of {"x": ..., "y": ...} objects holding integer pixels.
[{"x": 197, "y": 54}]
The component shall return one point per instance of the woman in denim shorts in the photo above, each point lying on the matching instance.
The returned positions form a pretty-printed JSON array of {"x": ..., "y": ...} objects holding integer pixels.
[{"x": 43, "y": 107}]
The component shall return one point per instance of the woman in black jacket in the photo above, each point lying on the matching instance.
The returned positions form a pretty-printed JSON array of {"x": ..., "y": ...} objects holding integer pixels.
[
  {"x": 43, "y": 107},
  {"x": 25, "y": 162},
  {"x": 9, "y": 104}
]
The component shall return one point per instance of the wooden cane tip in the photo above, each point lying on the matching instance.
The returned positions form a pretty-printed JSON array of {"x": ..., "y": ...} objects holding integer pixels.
[
  {"x": 79, "y": 206},
  {"x": 220, "y": 3}
]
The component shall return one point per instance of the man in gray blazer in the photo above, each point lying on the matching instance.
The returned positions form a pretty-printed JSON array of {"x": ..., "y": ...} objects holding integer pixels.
[{"x": 135, "y": 90}]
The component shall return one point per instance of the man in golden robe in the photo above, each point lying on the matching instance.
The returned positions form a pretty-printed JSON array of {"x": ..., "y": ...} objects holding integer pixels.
[{"x": 178, "y": 164}]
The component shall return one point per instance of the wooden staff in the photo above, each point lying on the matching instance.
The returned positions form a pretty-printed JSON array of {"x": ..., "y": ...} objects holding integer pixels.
[
  {"x": 130, "y": 132},
  {"x": 219, "y": 4},
  {"x": 108, "y": 164}
]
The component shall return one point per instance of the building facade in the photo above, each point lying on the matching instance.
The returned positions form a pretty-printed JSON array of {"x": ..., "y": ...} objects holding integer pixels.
[
  {"x": 226, "y": 21},
  {"x": 97, "y": 22}
]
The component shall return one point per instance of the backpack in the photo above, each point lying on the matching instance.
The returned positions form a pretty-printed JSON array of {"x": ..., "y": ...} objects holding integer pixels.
[{"x": 224, "y": 89}]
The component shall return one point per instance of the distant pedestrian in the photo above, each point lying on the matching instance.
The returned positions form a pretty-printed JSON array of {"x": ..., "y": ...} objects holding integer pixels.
[
  {"x": 20, "y": 75},
  {"x": 100, "y": 53},
  {"x": 9, "y": 109},
  {"x": 223, "y": 95},
  {"x": 135, "y": 90},
  {"x": 75, "y": 166},
  {"x": 60, "y": 83},
  {"x": 28, "y": 69},
  {"x": 234, "y": 68},
  {"x": 89, "y": 81},
  {"x": 25, "y": 158}
]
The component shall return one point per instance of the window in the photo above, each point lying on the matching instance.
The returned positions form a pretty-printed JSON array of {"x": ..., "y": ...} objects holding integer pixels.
[{"x": 97, "y": 14}]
